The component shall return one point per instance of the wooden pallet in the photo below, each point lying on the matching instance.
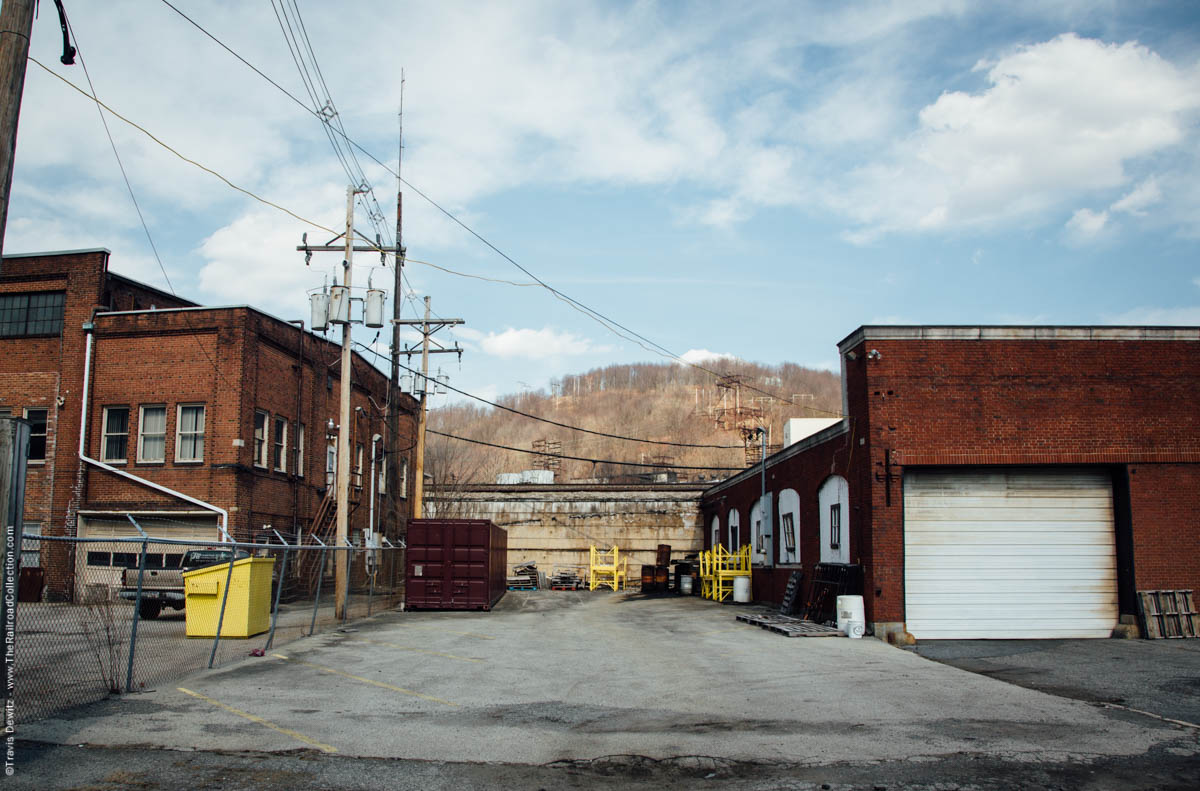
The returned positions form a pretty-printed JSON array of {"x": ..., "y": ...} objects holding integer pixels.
[
  {"x": 522, "y": 587},
  {"x": 1168, "y": 614},
  {"x": 790, "y": 627},
  {"x": 564, "y": 587}
]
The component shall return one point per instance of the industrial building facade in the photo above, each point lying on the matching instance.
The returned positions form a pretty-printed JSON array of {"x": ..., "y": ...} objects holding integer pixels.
[
  {"x": 192, "y": 419},
  {"x": 989, "y": 481}
]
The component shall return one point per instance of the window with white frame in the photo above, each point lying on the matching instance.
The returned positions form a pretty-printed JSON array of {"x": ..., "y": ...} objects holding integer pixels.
[
  {"x": 358, "y": 466},
  {"x": 300, "y": 450},
  {"x": 37, "y": 434},
  {"x": 716, "y": 532},
  {"x": 835, "y": 526},
  {"x": 735, "y": 530},
  {"x": 833, "y": 500},
  {"x": 381, "y": 483},
  {"x": 330, "y": 464},
  {"x": 114, "y": 441},
  {"x": 261, "y": 446},
  {"x": 189, "y": 433},
  {"x": 281, "y": 430},
  {"x": 152, "y": 434},
  {"x": 403, "y": 478},
  {"x": 789, "y": 519}
]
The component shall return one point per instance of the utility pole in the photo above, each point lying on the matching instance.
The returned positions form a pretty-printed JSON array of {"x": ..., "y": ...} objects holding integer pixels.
[
  {"x": 428, "y": 328},
  {"x": 341, "y": 583},
  {"x": 16, "y": 24},
  {"x": 397, "y": 301}
]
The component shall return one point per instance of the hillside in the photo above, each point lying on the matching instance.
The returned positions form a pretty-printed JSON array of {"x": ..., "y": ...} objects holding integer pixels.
[{"x": 665, "y": 402}]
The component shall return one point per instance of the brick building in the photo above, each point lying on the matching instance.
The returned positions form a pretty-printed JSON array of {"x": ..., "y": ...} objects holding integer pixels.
[
  {"x": 989, "y": 481},
  {"x": 196, "y": 418}
]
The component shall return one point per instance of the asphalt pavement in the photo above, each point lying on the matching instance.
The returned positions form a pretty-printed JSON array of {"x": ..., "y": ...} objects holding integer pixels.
[{"x": 582, "y": 689}]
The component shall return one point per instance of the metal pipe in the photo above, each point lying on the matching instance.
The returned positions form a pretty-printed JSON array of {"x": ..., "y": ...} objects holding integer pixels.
[
  {"x": 312, "y": 627},
  {"x": 137, "y": 606},
  {"x": 224, "y": 599},
  {"x": 278, "y": 591},
  {"x": 87, "y": 375}
]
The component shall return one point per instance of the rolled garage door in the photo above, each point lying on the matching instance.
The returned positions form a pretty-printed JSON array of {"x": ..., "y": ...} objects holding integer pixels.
[{"x": 1009, "y": 553}]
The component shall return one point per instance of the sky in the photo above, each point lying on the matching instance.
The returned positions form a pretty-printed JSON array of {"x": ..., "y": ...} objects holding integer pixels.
[{"x": 751, "y": 180}]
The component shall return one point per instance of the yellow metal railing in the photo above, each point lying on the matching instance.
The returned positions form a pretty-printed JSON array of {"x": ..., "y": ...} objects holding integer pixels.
[
  {"x": 607, "y": 567},
  {"x": 719, "y": 567}
]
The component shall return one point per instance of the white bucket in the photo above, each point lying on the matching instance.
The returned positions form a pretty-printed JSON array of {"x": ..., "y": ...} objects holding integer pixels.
[
  {"x": 849, "y": 608},
  {"x": 741, "y": 590},
  {"x": 855, "y": 629},
  {"x": 685, "y": 585}
]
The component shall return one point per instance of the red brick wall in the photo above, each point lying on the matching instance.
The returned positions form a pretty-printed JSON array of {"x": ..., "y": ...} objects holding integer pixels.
[
  {"x": 231, "y": 360},
  {"x": 1000, "y": 402}
]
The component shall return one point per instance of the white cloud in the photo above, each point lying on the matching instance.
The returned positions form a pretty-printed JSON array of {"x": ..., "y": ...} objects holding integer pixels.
[
  {"x": 697, "y": 356},
  {"x": 1060, "y": 119},
  {"x": 1085, "y": 224},
  {"x": 1184, "y": 316},
  {"x": 1139, "y": 198},
  {"x": 531, "y": 343}
]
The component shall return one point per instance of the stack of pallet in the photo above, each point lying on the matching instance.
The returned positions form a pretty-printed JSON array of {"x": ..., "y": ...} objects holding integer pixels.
[
  {"x": 524, "y": 578},
  {"x": 566, "y": 581},
  {"x": 657, "y": 578}
]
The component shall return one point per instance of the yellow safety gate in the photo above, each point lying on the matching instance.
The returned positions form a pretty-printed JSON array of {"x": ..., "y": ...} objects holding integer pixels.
[
  {"x": 719, "y": 567},
  {"x": 605, "y": 568}
]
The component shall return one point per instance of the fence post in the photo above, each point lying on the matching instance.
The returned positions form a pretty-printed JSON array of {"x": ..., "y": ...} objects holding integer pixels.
[
  {"x": 137, "y": 607},
  {"x": 225, "y": 598},
  {"x": 349, "y": 561},
  {"x": 312, "y": 627},
  {"x": 278, "y": 591}
]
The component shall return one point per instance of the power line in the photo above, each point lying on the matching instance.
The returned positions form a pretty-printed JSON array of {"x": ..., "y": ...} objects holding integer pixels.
[
  {"x": 610, "y": 324},
  {"x": 581, "y": 458},
  {"x": 580, "y": 428}
]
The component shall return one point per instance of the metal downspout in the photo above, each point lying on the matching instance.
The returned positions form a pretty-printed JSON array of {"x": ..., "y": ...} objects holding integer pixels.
[{"x": 83, "y": 423}]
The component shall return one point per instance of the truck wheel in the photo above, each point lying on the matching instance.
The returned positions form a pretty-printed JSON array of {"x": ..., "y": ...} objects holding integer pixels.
[{"x": 149, "y": 610}]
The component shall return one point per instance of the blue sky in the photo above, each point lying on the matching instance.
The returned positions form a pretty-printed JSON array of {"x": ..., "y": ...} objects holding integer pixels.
[{"x": 753, "y": 180}]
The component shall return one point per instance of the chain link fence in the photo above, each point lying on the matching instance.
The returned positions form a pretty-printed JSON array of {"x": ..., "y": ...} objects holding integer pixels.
[{"x": 103, "y": 616}]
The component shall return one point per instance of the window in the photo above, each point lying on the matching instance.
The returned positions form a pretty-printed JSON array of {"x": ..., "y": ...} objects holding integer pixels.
[
  {"x": 31, "y": 549},
  {"x": 189, "y": 435},
  {"x": 281, "y": 427},
  {"x": 835, "y": 526},
  {"x": 300, "y": 450},
  {"x": 31, "y": 314},
  {"x": 115, "y": 434},
  {"x": 37, "y": 433},
  {"x": 381, "y": 484},
  {"x": 260, "y": 438},
  {"x": 152, "y": 434},
  {"x": 330, "y": 464},
  {"x": 789, "y": 532},
  {"x": 358, "y": 466},
  {"x": 404, "y": 477}
]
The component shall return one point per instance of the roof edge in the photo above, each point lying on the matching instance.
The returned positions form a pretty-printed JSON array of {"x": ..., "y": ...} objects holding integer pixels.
[{"x": 1006, "y": 332}]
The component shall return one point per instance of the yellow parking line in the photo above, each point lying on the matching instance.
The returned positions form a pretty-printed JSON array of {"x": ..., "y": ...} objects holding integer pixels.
[
  {"x": 266, "y": 723},
  {"x": 385, "y": 685},
  {"x": 414, "y": 650},
  {"x": 451, "y": 631}
]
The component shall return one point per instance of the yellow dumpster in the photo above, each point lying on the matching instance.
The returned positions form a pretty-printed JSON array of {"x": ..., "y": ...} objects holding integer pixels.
[{"x": 248, "y": 610}]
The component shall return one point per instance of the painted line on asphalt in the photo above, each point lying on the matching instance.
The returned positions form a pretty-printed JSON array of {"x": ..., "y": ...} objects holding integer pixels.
[
  {"x": 325, "y": 748},
  {"x": 1184, "y": 723},
  {"x": 415, "y": 650},
  {"x": 373, "y": 682},
  {"x": 451, "y": 631}
]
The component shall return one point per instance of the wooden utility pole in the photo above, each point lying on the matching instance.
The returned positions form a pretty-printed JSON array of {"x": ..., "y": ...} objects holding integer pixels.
[
  {"x": 341, "y": 583},
  {"x": 428, "y": 328},
  {"x": 16, "y": 24}
]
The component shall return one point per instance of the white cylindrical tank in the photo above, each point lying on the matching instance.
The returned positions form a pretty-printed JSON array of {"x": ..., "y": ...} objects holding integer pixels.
[
  {"x": 320, "y": 311},
  {"x": 741, "y": 590},
  {"x": 508, "y": 478},
  {"x": 850, "y": 608},
  {"x": 537, "y": 476},
  {"x": 685, "y": 584},
  {"x": 339, "y": 305},
  {"x": 373, "y": 308}
]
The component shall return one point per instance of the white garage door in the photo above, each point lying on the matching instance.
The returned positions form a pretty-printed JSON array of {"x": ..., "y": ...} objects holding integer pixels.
[
  {"x": 100, "y": 566},
  {"x": 1009, "y": 554}
]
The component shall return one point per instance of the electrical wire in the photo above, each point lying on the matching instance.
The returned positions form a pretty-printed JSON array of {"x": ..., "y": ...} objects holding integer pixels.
[
  {"x": 132, "y": 196},
  {"x": 604, "y": 434},
  {"x": 581, "y": 458},
  {"x": 610, "y": 324}
]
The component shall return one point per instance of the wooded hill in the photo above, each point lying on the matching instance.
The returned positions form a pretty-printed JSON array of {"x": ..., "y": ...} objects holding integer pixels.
[{"x": 665, "y": 402}]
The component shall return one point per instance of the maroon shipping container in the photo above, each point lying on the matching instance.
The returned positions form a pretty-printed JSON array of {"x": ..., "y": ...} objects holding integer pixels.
[{"x": 455, "y": 564}]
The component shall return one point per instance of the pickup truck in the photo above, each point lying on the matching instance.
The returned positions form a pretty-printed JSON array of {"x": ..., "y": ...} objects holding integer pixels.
[{"x": 164, "y": 587}]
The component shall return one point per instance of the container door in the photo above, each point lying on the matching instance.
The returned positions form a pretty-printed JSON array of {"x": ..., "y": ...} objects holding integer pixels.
[{"x": 467, "y": 581}]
